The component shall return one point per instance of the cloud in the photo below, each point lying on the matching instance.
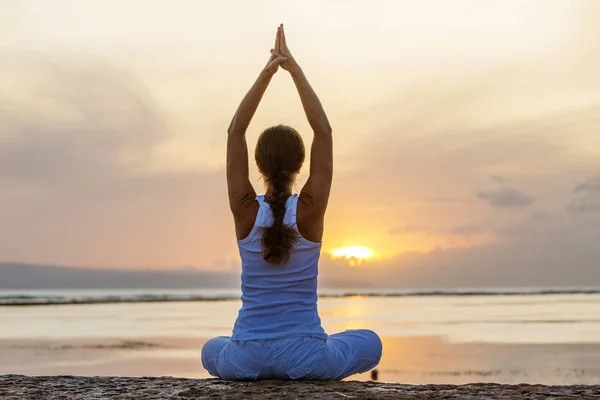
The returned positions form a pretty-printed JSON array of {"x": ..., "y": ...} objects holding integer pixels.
[
  {"x": 470, "y": 229},
  {"x": 80, "y": 121},
  {"x": 586, "y": 196},
  {"x": 458, "y": 230},
  {"x": 404, "y": 162},
  {"x": 410, "y": 229},
  {"x": 546, "y": 248},
  {"x": 591, "y": 185},
  {"x": 506, "y": 198},
  {"x": 76, "y": 177}
]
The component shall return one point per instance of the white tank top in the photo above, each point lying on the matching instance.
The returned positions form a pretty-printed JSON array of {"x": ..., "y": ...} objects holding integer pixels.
[{"x": 278, "y": 301}]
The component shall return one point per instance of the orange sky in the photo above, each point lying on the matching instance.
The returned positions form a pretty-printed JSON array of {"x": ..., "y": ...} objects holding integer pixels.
[{"x": 456, "y": 123}]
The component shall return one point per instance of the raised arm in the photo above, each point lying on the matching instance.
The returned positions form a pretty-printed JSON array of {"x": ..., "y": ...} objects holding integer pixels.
[
  {"x": 240, "y": 190},
  {"x": 315, "y": 193}
]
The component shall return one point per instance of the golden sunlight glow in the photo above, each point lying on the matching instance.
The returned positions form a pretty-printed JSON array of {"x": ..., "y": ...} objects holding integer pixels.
[{"x": 357, "y": 252}]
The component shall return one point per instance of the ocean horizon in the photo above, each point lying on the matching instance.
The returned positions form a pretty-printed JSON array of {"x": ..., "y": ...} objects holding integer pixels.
[{"x": 22, "y": 297}]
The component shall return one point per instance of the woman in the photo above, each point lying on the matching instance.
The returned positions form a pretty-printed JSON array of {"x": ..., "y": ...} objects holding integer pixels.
[{"x": 278, "y": 333}]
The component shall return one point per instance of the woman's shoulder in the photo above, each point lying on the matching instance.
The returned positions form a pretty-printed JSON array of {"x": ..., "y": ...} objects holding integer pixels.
[{"x": 309, "y": 220}]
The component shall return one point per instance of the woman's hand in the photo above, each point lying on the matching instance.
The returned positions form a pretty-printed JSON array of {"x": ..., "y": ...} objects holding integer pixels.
[
  {"x": 277, "y": 58},
  {"x": 274, "y": 62},
  {"x": 281, "y": 47}
]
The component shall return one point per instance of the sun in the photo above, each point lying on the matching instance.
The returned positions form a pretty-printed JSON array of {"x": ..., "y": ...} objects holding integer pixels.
[
  {"x": 355, "y": 254},
  {"x": 359, "y": 252}
]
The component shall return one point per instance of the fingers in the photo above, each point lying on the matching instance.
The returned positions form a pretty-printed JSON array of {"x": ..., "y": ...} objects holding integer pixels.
[
  {"x": 276, "y": 60},
  {"x": 278, "y": 40},
  {"x": 283, "y": 43},
  {"x": 273, "y": 56},
  {"x": 273, "y": 65}
]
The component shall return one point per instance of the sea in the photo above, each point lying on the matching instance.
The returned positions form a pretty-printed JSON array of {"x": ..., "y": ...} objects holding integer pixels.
[{"x": 525, "y": 335}]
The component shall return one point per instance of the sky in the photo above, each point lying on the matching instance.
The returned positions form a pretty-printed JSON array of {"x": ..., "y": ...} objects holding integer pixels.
[{"x": 466, "y": 133}]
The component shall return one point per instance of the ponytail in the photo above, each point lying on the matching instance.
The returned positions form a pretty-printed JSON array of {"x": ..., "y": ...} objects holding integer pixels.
[
  {"x": 278, "y": 239},
  {"x": 279, "y": 156}
]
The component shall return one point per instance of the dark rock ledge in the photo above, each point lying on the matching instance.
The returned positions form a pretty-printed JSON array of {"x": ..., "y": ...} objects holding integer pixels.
[{"x": 13, "y": 387}]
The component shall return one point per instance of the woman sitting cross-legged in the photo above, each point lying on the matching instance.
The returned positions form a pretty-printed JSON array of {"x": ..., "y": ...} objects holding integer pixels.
[{"x": 278, "y": 333}]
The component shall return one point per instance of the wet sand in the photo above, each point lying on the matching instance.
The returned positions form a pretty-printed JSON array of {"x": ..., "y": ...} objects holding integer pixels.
[{"x": 406, "y": 359}]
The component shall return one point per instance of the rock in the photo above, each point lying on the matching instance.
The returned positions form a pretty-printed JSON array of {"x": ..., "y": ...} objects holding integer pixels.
[{"x": 19, "y": 387}]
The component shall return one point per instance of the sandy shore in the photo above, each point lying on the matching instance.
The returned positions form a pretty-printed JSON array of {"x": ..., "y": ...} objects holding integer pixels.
[
  {"x": 17, "y": 387},
  {"x": 405, "y": 359}
]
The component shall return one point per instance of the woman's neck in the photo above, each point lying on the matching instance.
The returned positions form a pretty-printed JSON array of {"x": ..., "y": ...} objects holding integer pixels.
[{"x": 269, "y": 194}]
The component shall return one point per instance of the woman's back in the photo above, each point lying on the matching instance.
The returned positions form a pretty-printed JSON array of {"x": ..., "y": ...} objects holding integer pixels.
[{"x": 278, "y": 300}]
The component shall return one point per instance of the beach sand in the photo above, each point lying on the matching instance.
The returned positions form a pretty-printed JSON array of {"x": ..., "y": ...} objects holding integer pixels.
[{"x": 405, "y": 359}]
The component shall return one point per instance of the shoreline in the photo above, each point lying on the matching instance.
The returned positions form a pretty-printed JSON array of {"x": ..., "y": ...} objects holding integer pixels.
[
  {"x": 25, "y": 300},
  {"x": 16, "y": 387},
  {"x": 417, "y": 360}
]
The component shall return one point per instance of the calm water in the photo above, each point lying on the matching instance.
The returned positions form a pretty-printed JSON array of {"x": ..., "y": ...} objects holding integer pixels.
[
  {"x": 563, "y": 318},
  {"x": 464, "y": 337}
]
